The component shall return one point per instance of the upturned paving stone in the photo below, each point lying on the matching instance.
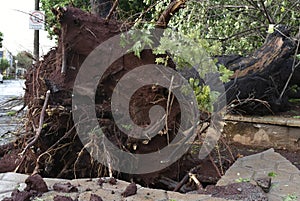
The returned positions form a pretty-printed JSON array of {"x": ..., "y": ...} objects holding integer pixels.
[{"x": 285, "y": 179}]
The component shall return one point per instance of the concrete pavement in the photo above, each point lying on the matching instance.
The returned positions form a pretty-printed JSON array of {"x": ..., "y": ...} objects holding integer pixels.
[{"x": 285, "y": 182}]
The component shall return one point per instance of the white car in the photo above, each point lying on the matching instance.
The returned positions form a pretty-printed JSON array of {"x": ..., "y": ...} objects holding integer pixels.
[{"x": 1, "y": 78}]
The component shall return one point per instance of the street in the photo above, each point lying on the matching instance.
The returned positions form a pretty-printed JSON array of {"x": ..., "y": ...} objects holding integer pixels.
[{"x": 10, "y": 124}]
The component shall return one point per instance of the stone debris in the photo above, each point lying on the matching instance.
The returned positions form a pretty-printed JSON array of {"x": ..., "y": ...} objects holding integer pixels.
[
  {"x": 65, "y": 187},
  {"x": 131, "y": 189}
]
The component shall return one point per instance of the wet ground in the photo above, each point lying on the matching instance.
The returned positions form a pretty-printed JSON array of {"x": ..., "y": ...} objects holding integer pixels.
[{"x": 11, "y": 92}]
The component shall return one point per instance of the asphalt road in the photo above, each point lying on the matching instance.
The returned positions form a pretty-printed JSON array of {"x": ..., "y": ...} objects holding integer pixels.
[{"x": 10, "y": 125}]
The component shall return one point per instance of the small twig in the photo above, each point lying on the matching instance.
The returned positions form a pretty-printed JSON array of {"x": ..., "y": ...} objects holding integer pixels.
[
  {"x": 41, "y": 122},
  {"x": 168, "y": 108},
  {"x": 113, "y": 8},
  {"x": 231, "y": 6},
  {"x": 181, "y": 183},
  {"x": 64, "y": 54},
  {"x": 37, "y": 131},
  {"x": 228, "y": 148},
  {"x": 294, "y": 66},
  {"x": 191, "y": 175},
  {"x": 90, "y": 31},
  {"x": 220, "y": 159},
  {"x": 197, "y": 182},
  {"x": 213, "y": 163},
  {"x": 239, "y": 34},
  {"x": 270, "y": 20},
  {"x": 50, "y": 149}
]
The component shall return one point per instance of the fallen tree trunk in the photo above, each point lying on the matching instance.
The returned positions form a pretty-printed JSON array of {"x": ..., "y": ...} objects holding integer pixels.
[{"x": 259, "y": 79}]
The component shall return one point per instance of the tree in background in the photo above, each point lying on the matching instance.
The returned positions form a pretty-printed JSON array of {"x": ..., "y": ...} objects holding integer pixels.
[
  {"x": 4, "y": 64},
  {"x": 225, "y": 26},
  {"x": 1, "y": 39},
  {"x": 25, "y": 59}
]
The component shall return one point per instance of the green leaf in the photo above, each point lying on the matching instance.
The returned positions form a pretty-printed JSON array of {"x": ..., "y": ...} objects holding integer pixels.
[
  {"x": 11, "y": 113},
  {"x": 272, "y": 174},
  {"x": 271, "y": 28}
]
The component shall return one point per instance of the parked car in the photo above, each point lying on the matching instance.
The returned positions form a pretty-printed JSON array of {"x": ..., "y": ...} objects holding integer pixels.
[{"x": 1, "y": 78}]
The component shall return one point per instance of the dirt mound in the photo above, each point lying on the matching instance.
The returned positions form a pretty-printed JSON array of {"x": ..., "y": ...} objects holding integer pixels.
[{"x": 59, "y": 151}]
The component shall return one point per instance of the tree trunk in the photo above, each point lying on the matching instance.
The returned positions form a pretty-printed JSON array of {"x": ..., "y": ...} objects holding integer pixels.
[{"x": 259, "y": 78}]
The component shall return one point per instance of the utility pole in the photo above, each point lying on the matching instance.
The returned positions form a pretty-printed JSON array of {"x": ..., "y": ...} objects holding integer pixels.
[{"x": 36, "y": 43}]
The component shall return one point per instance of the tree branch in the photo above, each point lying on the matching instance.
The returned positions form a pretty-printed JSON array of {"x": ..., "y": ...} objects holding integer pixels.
[
  {"x": 270, "y": 20},
  {"x": 113, "y": 8},
  {"x": 166, "y": 16}
]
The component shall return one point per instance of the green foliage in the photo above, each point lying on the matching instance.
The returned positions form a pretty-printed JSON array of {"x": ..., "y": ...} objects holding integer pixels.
[
  {"x": 240, "y": 26},
  {"x": 11, "y": 113},
  {"x": 24, "y": 59},
  {"x": 204, "y": 96},
  {"x": 127, "y": 127},
  {"x": 3, "y": 64},
  {"x": 290, "y": 197},
  {"x": 1, "y": 39},
  {"x": 228, "y": 26},
  {"x": 130, "y": 10},
  {"x": 48, "y": 5},
  {"x": 272, "y": 174},
  {"x": 200, "y": 29},
  {"x": 225, "y": 73}
]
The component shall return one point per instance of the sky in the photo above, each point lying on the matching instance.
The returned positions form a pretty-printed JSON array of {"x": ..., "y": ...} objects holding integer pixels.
[{"x": 15, "y": 27}]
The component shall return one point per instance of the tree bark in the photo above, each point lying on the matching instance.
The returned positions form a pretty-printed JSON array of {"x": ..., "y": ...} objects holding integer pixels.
[{"x": 260, "y": 77}]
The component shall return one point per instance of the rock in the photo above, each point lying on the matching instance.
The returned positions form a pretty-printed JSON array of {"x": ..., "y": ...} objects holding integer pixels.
[
  {"x": 112, "y": 181},
  {"x": 264, "y": 183},
  {"x": 36, "y": 183},
  {"x": 66, "y": 188},
  {"x": 131, "y": 189},
  {"x": 19, "y": 196},
  {"x": 95, "y": 197}
]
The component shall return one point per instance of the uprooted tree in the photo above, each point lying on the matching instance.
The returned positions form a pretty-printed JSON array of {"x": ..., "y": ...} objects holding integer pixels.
[{"x": 260, "y": 83}]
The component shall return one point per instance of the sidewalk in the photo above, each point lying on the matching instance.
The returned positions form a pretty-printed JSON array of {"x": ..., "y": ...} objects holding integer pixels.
[
  {"x": 285, "y": 184},
  {"x": 286, "y": 180}
]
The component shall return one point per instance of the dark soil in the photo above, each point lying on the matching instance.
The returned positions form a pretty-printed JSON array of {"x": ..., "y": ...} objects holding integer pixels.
[{"x": 237, "y": 191}]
